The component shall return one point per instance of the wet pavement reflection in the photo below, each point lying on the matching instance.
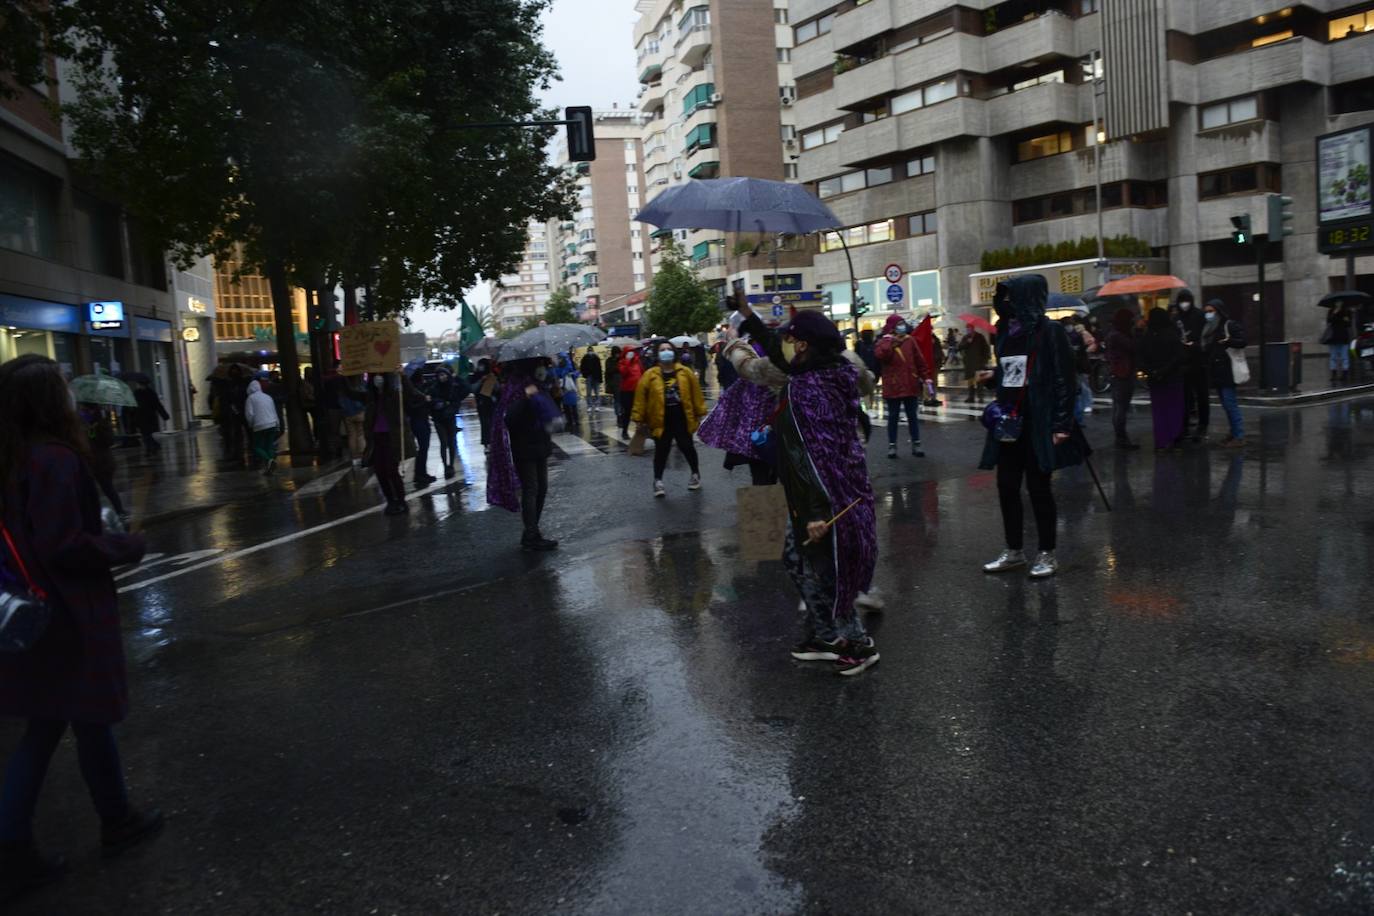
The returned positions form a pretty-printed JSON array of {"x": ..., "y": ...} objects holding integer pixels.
[{"x": 411, "y": 716}]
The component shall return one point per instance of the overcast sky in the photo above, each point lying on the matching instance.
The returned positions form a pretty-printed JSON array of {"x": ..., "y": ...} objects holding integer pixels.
[{"x": 592, "y": 41}]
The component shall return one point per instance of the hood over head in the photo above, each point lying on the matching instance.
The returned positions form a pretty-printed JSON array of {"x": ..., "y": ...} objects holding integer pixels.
[
  {"x": 254, "y": 386},
  {"x": 1022, "y": 298},
  {"x": 890, "y": 326},
  {"x": 1159, "y": 321}
]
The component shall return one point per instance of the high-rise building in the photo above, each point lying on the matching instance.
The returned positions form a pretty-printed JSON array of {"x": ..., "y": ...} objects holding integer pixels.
[
  {"x": 518, "y": 297},
  {"x": 938, "y": 132},
  {"x": 717, "y": 92},
  {"x": 601, "y": 255},
  {"x": 244, "y": 319}
]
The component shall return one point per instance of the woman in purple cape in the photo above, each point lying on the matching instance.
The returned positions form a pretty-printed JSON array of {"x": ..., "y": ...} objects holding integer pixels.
[
  {"x": 521, "y": 445},
  {"x": 744, "y": 407},
  {"x": 831, "y": 543}
]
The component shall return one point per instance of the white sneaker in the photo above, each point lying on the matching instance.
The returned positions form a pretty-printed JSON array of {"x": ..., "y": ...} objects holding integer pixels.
[
  {"x": 1008, "y": 559},
  {"x": 801, "y": 605},
  {"x": 871, "y": 600},
  {"x": 1045, "y": 565},
  {"x": 659, "y": 490},
  {"x": 694, "y": 483}
]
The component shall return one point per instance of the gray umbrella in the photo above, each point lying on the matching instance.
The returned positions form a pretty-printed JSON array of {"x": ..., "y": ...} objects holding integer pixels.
[
  {"x": 486, "y": 346},
  {"x": 549, "y": 340},
  {"x": 739, "y": 205}
]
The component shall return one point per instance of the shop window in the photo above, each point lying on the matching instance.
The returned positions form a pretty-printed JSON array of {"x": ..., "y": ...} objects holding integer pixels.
[
  {"x": 28, "y": 209},
  {"x": 1245, "y": 108}
]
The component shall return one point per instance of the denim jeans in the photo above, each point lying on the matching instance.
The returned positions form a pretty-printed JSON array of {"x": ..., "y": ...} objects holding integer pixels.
[
  {"x": 1340, "y": 357},
  {"x": 1232, "y": 408},
  {"x": 100, "y": 767},
  {"x": 894, "y": 418}
]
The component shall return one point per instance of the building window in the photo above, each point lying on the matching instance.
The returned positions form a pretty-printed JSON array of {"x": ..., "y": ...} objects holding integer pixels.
[
  {"x": 1054, "y": 76},
  {"x": 639, "y": 279},
  {"x": 1247, "y": 179},
  {"x": 639, "y": 255},
  {"x": 634, "y": 233},
  {"x": 1048, "y": 145},
  {"x": 879, "y": 176},
  {"x": 789, "y": 132},
  {"x": 921, "y": 223},
  {"x": 780, "y": 16},
  {"x": 925, "y": 165},
  {"x": 855, "y": 236},
  {"x": 784, "y": 55},
  {"x": 790, "y": 171},
  {"x": 703, "y": 136},
  {"x": 816, "y": 27},
  {"x": 698, "y": 97},
  {"x": 1350, "y": 25},
  {"x": 1245, "y": 108},
  {"x": 821, "y": 136},
  {"x": 1351, "y": 97},
  {"x": 632, "y": 189},
  {"x": 28, "y": 209},
  {"x": 925, "y": 95},
  {"x": 1086, "y": 7},
  {"x": 1139, "y": 194}
]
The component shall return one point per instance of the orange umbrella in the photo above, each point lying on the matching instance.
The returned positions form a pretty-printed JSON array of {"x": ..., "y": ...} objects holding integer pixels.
[{"x": 1141, "y": 283}]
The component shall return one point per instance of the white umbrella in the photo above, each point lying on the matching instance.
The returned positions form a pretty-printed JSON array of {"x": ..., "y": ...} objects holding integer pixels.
[{"x": 684, "y": 340}]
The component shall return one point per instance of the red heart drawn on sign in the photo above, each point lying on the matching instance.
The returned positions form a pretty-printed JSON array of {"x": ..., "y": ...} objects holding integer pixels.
[{"x": 382, "y": 346}]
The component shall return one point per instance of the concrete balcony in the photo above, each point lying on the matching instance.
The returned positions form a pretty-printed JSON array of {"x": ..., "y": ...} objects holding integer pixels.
[
  {"x": 960, "y": 117},
  {"x": 864, "y": 22},
  {"x": 1150, "y": 225},
  {"x": 1227, "y": 147},
  {"x": 1048, "y": 103},
  {"x": 692, "y": 44},
  {"x": 701, "y": 162},
  {"x": 820, "y": 162},
  {"x": 1349, "y": 58},
  {"x": 706, "y": 114},
  {"x": 1050, "y": 35},
  {"x": 1296, "y": 60},
  {"x": 911, "y": 195},
  {"x": 929, "y": 62},
  {"x": 652, "y": 96},
  {"x": 1121, "y": 160},
  {"x": 868, "y": 81},
  {"x": 587, "y": 248}
]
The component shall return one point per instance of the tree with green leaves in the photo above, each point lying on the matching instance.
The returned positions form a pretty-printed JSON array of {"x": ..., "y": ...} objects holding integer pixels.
[
  {"x": 326, "y": 138},
  {"x": 559, "y": 308},
  {"x": 679, "y": 302}
]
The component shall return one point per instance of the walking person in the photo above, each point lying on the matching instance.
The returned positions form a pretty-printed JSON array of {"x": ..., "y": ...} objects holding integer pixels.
[
  {"x": 1221, "y": 337},
  {"x": 1163, "y": 358},
  {"x": 74, "y": 675},
  {"x": 101, "y": 440},
  {"x": 905, "y": 373},
  {"x": 261, "y": 416},
  {"x": 1197, "y": 403},
  {"x": 1037, "y": 385},
  {"x": 486, "y": 387},
  {"x": 446, "y": 395},
  {"x": 1336, "y": 336},
  {"x": 383, "y": 422},
  {"x": 149, "y": 416},
  {"x": 591, "y": 375},
  {"x": 669, "y": 401},
  {"x": 1121, "y": 362},
  {"x": 831, "y": 545},
  {"x": 567, "y": 391},
  {"x": 611, "y": 378},
  {"x": 417, "y": 405},
  {"x": 631, "y": 370},
  {"x": 521, "y": 445},
  {"x": 974, "y": 352}
]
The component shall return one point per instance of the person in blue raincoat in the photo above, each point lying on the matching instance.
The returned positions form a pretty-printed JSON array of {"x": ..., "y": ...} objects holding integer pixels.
[{"x": 1036, "y": 381}]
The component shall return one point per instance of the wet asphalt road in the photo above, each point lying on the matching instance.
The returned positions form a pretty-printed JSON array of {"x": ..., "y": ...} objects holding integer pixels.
[{"x": 411, "y": 716}]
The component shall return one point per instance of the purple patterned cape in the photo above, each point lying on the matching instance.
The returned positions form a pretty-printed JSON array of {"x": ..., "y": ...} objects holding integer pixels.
[
  {"x": 503, "y": 484},
  {"x": 825, "y": 408},
  {"x": 742, "y": 408}
]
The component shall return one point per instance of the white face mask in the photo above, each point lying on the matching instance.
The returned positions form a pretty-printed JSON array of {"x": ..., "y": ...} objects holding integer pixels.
[{"x": 1185, "y": 305}]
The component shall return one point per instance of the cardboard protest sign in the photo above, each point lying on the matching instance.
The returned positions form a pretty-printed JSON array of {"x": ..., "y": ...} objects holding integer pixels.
[{"x": 373, "y": 346}]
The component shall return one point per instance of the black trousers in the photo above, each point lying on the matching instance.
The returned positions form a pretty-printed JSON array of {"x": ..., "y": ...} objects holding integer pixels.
[
  {"x": 1122, "y": 391},
  {"x": 674, "y": 430},
  {"x": 485, "y": 408},
  {"x": 446, "y": 429},
  {"x": 1015, "y": 462},
  {"x": 1196, "y": 397},
  {"x": 627, "y": 407},
  {"x": 534, "y": 489}
]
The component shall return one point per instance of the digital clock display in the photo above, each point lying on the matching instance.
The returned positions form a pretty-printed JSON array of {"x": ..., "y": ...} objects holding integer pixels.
[{"x": 1346, "y": 236}]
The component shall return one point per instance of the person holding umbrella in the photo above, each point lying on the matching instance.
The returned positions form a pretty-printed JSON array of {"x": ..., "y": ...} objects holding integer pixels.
[
  {"x": 521, "y": 445},
  {"x": 150, "y": 414},
  {"x": 669, "y": 401}
]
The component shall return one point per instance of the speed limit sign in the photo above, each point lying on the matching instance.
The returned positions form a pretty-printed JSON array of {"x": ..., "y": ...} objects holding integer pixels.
[{"x": 893, "y": 273}]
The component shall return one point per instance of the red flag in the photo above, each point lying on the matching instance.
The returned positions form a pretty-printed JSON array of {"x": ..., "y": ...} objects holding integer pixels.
[{"x": 925, "y": 341}]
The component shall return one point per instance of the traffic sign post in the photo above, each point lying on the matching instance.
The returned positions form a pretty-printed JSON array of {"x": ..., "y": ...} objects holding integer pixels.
[
  {"x": 893, "y": 273},
  {"x": 895, "y": 295}
]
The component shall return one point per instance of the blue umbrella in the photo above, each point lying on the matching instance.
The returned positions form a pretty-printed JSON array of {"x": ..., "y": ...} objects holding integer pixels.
[
  {"x": 1066, "y": 301},
  {"x": 739, "y": 205},
  {"x": 414, "y": 366}
]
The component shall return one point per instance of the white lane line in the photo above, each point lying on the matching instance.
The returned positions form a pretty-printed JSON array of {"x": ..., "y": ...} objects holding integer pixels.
[
  {"x": 277, "y": 542},
  {"x": 572, "y": 445},
  {"x": 322, "y": 485},
  {"x": 158, "y": 559}
]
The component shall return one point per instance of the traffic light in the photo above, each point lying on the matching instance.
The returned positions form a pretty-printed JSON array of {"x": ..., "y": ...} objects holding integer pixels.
[
  {"x": 828, "y": 298},
  {"x": 581, "y": 138},
  {"x": 1280, "y": 216},
  {"x": 861, "y": 306},
  {"x": 1242, "y": 235}
]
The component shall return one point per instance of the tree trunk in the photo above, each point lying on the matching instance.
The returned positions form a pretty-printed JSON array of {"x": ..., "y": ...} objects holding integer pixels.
[
  {"x": 297, "y": 427},
  {"x": 350, "y": 303}
]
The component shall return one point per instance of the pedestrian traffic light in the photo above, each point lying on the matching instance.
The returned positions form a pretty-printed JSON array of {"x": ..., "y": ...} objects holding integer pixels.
[
  {"x": 1242, "y": 234},
  {"x": 581, "y": 138},
  {"x": 861, "y": 306},
  {"x": 1280, "y": 216}
]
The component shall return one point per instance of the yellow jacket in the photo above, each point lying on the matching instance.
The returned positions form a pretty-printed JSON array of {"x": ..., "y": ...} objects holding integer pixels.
[{"x": 650, "y": 405}]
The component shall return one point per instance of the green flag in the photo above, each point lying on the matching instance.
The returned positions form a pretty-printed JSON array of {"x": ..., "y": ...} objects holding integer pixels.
[{"x": 469, "y": 332}]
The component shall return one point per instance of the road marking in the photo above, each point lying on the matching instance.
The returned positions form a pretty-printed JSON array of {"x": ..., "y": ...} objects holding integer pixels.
[
  {"x": 322, "y": 485},
  {"x": 277, "y": 542},
  {"x": 181, "y": 559},
  {"x": 572, "y": 445}
]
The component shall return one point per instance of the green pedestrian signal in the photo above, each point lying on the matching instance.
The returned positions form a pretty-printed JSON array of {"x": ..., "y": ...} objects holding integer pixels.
[
  {"x": 1280, "y": 216},
  {"x": 1242, "y": 235}
]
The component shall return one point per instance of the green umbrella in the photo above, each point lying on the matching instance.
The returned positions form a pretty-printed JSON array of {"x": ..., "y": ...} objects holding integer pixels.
[{"x": 102, "y": 389}]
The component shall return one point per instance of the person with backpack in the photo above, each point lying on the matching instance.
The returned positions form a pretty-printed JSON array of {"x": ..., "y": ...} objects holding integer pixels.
[{"x": 53, "y": 547}]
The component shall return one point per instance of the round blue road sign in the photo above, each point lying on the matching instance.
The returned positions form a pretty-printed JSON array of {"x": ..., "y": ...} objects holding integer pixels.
[{"x": 895, "y": 293}]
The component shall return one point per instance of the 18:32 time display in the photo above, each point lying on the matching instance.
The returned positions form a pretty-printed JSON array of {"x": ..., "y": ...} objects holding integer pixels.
[{"x": 1347, "y": 236}]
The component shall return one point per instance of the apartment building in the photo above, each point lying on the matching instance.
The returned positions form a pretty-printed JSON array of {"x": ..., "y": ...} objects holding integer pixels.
[
  {"x": 64, "y": 247},
  {"x": 522, "y": 295},
  {"x": 717, "y": 92},
  {"x": 937, "y": 131},
  {"x": 244, "y": 317},
  {"x": 602, "y": 254}
]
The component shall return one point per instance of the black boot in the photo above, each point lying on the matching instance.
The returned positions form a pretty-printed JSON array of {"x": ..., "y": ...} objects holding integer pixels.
[
  {"x": 1345, "y": 377},
  {"x": 534, "y": 542},
  {"x": 396, "y": 507},
  {"x": 23, "y": 868},
  {"x": 1334, "y": 373},
  {"x": 119, "y": 836}
]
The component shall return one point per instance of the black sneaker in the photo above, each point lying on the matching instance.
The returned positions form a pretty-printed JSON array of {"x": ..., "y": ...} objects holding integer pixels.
[
  {"x": 917, "y": 451},
  {"x": 856, "y": 657},
  {"x": 537, "y": 543},
  {"x": 816, "y": 650},
  {"x": 132, "y": 829},
  {"x": 396, "y": 508},
  {"x": 23, "y": 868}
]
